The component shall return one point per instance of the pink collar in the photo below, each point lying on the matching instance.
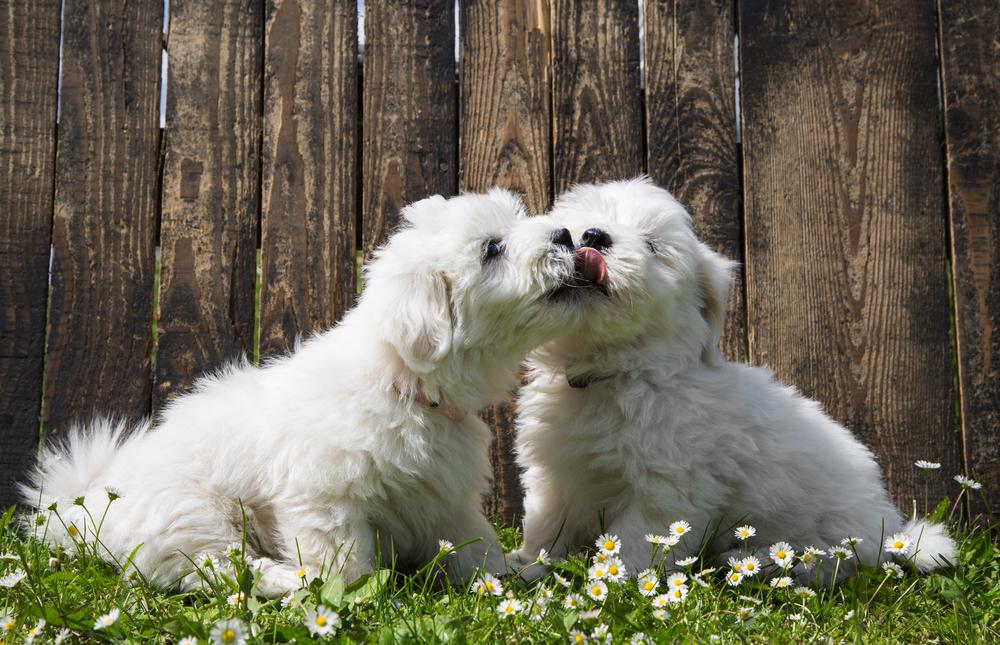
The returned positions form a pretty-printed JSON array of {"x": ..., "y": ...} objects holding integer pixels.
[{"x": 453, "y": 412}]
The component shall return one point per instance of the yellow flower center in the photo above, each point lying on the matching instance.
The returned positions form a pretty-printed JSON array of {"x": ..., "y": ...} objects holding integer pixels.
[
  {"x": 679, "y": 530},
  {"x": 72, "y": 530},
  {"x": 608, "y": 545},
  {"x": 598, "y": 573},
  {"x": 898, "y": 544},
  {"x": 678, "y": 593},
  {"x": 749, "y": 566},
  {"x": 734, "y": 577},
  {"x": 301, "y": 573},
  {"x": 678, "y": 582},
  {"x": 648, "y": 585},
  {"x": 744, "y": 534},
  {"x": 227, "y": 636},
  {"x": 578, "y": 638},
  {"x": 9, "y": 625},
  {"x": 807, "y": 557},
  {"x": 488, "y": 586},
  {"x": 780, "y": 554},
  {"x": 613, "y": 570},
  {"x": 596, "y": 590},
  {"x": 321, "y": 620}
]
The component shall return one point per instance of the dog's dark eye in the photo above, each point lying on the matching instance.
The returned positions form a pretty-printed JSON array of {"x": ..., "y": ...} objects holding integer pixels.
[
  {"x": 652, "y": 247},
  {"x": 491, "y": 249}
]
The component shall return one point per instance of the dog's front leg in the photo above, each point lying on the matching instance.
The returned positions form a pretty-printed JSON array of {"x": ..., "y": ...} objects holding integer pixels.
[{"x": 484, "y": 553}]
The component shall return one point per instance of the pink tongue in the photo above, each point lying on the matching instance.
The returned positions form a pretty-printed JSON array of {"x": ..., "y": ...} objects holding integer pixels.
[{"x": 590, "y": 265}]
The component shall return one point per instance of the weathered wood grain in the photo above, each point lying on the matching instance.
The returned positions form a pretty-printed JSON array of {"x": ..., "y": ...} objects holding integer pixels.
[
  {"x": 691, "y": 130},
  {"x": 597, "y": 106},
  {"x": 104, "y": 227},
  {"x": 309, "y": 169},
  {"x": 210, "y": 204},
  {"x": 504, "y": 139},
  {"x": 847, "y": 292},
  {"x": 970, "y": 55},
  {"x": 29, "y": 63},
  {"x": 410, "y": 127}
]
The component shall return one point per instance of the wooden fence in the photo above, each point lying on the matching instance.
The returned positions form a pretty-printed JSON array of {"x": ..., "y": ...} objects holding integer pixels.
[{"x": 861, "y": 199}]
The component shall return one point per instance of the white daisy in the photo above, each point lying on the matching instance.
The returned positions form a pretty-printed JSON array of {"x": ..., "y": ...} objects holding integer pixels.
[
  {"x": 672, "y": 541},
  {"x": 745, "y": 532},
  {"x": 900, "y": 544},
  {"x": 536, "y": 610},
  {"x": 237, "y": 598},
  {"x": 207, "y": 561},
  {"x": 797, "y": 618},
  {"x": 597, "y": 590},
  {"x": 64, "y": 633},
  {"x": 543, "y": 595},
  {"x": 289, "y": 601},
  {"x": 755, "y": 601},
  {"x": 578, "y": 637},
  {"x": 782, "y": 554},
  {"x": 590, "y": 614},
  {"x": 322, "y": 621},
  {"x": 188, "y": 640},
  {"x": 679, "y": 528},
  {"x": 487, "y": 584},
  {"x": 107, "y": 620},
  {"x": 750, "y": 566},
  {"x": 678, "y": 594},
  {"x": 616, "y": 570},
  {"x": 734, "y": 578},
  {"x": 543, "y": 557},
  {"x": 599, "y": 558},
  {"x": 735, "y": 564},
  {"x": 851, "y": 540},
  {"x": 923, "y": 464},
  {"x": 7, "y": 623},
  {"x": 648, "y": 582},
  {"x": 601, "y": 634},
  {"x": 686, "y": 562},
  {"x": 968, "y": 483},
  {"x": 849, "y": 615},
  {"x": 639, "y": 638},
  {"x": 597, "y": 572},
  {"x": 662, "y": 600},
  {"x": 841, "y": 552},
  {"x": 892, "y": 569},
  {"x": 660, "y": 614},
  {"x": 12, "y": 578},
  {"x": 509, "y": 607},
  {"x": 609, "y": 544},
  {"x": 781, "y": 582},
  {"x": 573, "y": 601},
  {"x": 444, "y": 546},
  {"x": 652, "y": 538},
  {"x": 676, "y": 580},
  {"x": 745, "y": 613},
  {"x": 699, "y": 580},
  {"x": 562, "y": 581},
  {"x": 804, "y": 591},
  {"x": 32, "y": 634}
]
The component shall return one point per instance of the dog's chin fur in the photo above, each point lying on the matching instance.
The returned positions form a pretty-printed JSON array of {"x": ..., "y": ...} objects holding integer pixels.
[
  {"x": 330, "y": 464},
  {"x": 666, "y": 430}
]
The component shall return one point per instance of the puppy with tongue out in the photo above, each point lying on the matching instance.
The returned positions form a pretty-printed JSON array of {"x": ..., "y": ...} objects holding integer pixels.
[{"x": 633, "y": 421}]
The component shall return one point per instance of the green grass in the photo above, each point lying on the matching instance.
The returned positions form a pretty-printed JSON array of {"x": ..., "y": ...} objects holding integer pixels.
[{"x": 73, "y": 589}]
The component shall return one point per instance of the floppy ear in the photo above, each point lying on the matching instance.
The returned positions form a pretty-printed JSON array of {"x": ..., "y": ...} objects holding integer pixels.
[
  {"x": 421, "y": 328},
  {"x": 714, "y": 281}
]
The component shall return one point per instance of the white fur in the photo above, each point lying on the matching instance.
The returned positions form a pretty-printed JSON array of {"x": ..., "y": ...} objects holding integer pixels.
[
  {"x": 668, "y": 430},
  {"x": 325, "y": 458}
]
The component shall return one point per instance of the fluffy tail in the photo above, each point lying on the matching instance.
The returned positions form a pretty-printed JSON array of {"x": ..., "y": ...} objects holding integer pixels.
[
  {"x": 73, "y": 467},
  {"x": 934, "y": 548}
]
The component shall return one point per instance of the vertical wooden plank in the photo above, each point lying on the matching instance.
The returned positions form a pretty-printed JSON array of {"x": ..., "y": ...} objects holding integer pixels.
[
  {"x": 597, "y": 107},
  {"x": 504, "y": 141},
  {"x": 104, "y": 227},
  {"x": 970, "y": 53},
  {"x": 846, "y": 280},
  {"x": 691, "y": 144},
  {"x": 211, "y": 193},
  {"x": 309, "y": 169},
  {"x": 29, "y": 63},
  {"x": 410, "y": 127}
]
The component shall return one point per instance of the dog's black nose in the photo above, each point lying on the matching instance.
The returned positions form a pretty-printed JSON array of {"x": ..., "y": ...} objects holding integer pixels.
[
  {"x": 596, "y": 239},
  {"x": 563, "y": 238}
]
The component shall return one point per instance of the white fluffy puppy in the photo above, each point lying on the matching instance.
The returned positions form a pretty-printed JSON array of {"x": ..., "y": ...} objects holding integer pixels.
[
  {"x": 362, "y": 444},
  {"x": 634, "y": 420}
]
